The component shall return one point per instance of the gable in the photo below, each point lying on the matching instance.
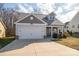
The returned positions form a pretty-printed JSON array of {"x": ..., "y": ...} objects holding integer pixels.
[
  {"x": 31, "y": 19},
  {"x": 47, "y": 20},
  {"x": 75, "y": 19},
  {"x": 57, "y": 22}
]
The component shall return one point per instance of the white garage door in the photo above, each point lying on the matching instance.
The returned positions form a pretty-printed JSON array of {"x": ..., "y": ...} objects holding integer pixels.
[{"x": 31, "y": 32}]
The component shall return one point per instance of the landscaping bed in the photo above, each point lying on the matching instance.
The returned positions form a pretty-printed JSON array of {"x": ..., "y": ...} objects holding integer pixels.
[
  {"x": 70, "y": 42},
  {"x": 5, "y": 41}
]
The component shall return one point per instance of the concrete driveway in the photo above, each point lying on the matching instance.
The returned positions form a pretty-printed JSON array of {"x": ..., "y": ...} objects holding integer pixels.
[{"x": 37, "y": 48}]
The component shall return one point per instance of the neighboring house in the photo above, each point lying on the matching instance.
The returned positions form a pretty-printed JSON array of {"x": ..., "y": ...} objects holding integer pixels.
[
  {"x": 73, "y": 25},
  {"x": 2, "y": 29},
  {"x": 37, "y": 26},
  {"x": 66, "y": 26}
]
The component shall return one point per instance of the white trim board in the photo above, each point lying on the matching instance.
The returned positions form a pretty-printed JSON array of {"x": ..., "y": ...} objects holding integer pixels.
[{"x": 29, "y": 24}]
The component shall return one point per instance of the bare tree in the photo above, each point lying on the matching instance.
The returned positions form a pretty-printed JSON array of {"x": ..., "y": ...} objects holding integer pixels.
[{"x": 9, "y": 18}]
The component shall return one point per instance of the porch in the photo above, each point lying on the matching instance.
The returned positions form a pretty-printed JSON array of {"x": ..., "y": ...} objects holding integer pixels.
[{"x": 54, "y": 31}]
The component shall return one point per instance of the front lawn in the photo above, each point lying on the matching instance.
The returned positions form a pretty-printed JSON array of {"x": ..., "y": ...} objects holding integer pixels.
[
  {"x": 70, "y": 42},
  {"x": 5, "y": 41}
]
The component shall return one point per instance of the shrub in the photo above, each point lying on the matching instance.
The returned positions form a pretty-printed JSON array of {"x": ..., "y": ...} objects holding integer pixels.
[{"x": 65, "y": 34}]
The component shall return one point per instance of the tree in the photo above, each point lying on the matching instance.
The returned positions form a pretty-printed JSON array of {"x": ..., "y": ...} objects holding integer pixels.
[{"x": 9, "y": 16}]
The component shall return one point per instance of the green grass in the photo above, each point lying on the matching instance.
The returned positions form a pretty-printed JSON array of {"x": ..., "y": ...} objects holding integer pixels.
[
  {"x": 70, "y": 42},
  {"x": 5, "y": 41}
]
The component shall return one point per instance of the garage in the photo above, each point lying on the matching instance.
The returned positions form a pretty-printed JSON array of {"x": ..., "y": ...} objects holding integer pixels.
[{"x": 30, "y": 29}]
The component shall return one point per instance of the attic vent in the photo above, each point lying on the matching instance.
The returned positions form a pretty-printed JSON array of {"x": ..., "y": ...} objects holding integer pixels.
[{"x": 31, "y": 18}]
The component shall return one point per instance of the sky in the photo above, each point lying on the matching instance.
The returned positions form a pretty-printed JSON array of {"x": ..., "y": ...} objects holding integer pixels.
[{"x": 63, "y": 10}]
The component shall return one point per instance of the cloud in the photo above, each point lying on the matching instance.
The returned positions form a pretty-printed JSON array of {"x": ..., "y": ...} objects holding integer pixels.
[
  {"x": 68, "y": 17},
  {"x": 23, "y": 9},
  {"x": 63, "y": 10},
  {"x": 45, "y": 8},
  {"x": 59, "y": 11}
]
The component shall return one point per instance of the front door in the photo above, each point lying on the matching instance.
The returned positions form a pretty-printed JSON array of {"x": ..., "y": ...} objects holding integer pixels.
[{"x": 54, "y": 32}]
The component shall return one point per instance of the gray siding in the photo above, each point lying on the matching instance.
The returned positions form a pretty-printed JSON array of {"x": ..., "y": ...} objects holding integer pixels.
[{"x": 28, "y": 20}]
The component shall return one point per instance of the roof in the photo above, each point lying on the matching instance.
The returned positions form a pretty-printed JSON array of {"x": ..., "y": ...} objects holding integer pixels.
[
  {"x": 66, "y": 24},
  {"x": 57, "y": 22},
  {"x": 40, "y": 16},
  {"x": 52, "y": 14}
]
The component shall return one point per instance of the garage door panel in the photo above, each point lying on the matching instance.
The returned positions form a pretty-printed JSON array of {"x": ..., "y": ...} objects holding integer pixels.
[{"x": 31, "y": 32}]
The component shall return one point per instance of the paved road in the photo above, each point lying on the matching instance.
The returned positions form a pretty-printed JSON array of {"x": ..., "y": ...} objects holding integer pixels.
[{"x": 37, "y": 48}]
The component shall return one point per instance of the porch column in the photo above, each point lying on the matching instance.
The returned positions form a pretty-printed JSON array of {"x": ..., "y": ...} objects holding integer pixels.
[
  {"x": 58, "y": 28},
  {"x": 51, "y": 31},
  {"x": 62, "y": 30}
]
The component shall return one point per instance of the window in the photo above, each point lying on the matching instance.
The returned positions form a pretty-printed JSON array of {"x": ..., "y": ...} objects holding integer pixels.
[
  {"x": 50, "y": 17},
  {"x": 73, "y": 26},
  {"x": 31, "y": 18}
]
